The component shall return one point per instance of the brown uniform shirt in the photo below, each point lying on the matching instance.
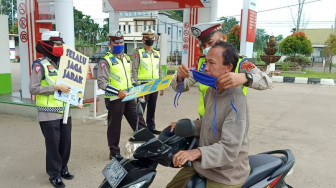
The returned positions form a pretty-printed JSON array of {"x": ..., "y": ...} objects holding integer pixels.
[{"x": 35, "y": 88}]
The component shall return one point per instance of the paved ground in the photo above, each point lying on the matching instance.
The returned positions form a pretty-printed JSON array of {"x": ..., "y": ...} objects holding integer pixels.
[{"x": 300, "y": 117}]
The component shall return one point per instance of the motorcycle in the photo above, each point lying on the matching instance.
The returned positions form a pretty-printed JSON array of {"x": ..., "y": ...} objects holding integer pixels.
[{"x": 144, "y": 152}]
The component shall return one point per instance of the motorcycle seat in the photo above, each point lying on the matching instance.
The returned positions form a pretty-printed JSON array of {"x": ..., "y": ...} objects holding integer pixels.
[{"x": 262, "y": 166}]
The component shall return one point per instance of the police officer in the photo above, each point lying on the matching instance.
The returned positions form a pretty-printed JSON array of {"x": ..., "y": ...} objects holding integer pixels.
[
  {"x": 246, "y": 74},
  {"x": 50, "y": 111},
  {"x": 146, "y": 68},
  {"x": 114, "y": 76}
]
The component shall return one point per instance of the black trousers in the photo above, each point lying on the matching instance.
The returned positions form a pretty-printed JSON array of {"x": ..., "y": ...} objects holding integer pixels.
[
  {"x": 116, "y": 109},
  {"x": 151, "y": 106},
  {"x": 58, "y": 145}
]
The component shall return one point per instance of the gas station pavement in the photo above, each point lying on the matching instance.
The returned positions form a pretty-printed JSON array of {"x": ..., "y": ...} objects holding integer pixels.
[{"x": 300, "y": 117}]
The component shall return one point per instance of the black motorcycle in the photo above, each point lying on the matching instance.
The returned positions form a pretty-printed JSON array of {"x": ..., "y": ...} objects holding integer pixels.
[{"x": 145, "y": 152}]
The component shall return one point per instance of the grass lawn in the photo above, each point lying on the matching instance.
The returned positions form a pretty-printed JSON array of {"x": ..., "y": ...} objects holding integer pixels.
[{"x": 310, "y": 74}]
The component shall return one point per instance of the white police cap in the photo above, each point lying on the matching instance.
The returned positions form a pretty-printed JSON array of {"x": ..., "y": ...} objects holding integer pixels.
[
  {"x": 53, "y": 36},
  {"x": 116, "y": 36},
  {"x": 148, "y": 32},
  {"x": 203, "y": 29}
]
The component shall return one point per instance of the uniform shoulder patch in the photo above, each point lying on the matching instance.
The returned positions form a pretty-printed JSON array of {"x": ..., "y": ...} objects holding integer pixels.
[
  {"x": 102, "y": 64},
  {"x": 136, "y": 55},
  {"x": 247, "y": 65},
  {"x": 37, "y": 67}
]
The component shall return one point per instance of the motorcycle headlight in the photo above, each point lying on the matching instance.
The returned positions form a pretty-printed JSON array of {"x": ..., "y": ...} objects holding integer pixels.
[
  {"x": 131, "y": 147},
  {"x": 138, "y": 185}
]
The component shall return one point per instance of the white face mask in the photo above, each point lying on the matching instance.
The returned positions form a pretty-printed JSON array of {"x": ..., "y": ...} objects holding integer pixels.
[{"x": 206, "y": 50}]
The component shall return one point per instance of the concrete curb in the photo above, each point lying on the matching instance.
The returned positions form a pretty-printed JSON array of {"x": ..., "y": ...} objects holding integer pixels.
[{"x": 301, "y": 80}]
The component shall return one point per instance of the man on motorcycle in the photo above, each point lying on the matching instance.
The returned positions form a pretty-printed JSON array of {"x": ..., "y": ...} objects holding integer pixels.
[
  {"x": 222, "y": 155},
  {"x": 246, "y": 74}
]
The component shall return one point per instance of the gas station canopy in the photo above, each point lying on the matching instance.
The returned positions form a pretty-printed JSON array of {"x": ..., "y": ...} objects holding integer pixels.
[{"x": 132, "y": 5}]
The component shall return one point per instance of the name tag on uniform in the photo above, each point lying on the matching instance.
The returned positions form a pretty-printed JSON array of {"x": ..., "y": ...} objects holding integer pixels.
[
  {"x": 114, "y": 61},
  {"x": 144, "y": 55}
]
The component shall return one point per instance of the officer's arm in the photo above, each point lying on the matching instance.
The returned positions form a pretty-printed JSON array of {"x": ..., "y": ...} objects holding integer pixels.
[
  {"x": 103, "y": 76},
  {"x": 35, "y": 87},
  {"x": 261, "y": 80},
  {"x": 135, "y": 66}
]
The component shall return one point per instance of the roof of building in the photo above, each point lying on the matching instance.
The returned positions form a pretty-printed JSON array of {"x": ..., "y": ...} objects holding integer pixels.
[{"x": 318, "y": 36}]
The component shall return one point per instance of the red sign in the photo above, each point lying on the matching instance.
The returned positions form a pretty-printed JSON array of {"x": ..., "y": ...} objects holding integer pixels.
[
  {"x": 185, "y": 47},
  {"x": 186, "y": 39},
  {"x": 22, "y": 8},
  {"x": 132, "y": 5},
  {"x": 23, "y": 36},
  {"x": 186, "y": 25},
  {"x": 186, "y": 32},
  {"x": 23, "y": 22},
  {"x": 251, "y": 25}
]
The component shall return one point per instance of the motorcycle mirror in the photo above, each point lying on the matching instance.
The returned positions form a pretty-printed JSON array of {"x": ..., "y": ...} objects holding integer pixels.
[{"x": 185, "y": 128}]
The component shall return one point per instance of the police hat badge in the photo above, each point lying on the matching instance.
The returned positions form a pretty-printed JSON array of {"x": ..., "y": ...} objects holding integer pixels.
[
  {"x": 118, "y": 34},
  {"x": 196, "y": 31}
]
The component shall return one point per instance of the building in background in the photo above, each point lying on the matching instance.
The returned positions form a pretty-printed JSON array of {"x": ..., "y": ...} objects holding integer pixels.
[{"x": 318, "y": 37}]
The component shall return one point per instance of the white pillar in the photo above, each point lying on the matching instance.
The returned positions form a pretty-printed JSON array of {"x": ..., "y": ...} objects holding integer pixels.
[
  {"x": 5, "y": 71},
  {"x": 163, "y": 52},
  {"x": 246, "y": 48},
  {"x": 214, "y": 8},
  {"x": 64, "y": 18},
  {"x": 114, "y": 20}
]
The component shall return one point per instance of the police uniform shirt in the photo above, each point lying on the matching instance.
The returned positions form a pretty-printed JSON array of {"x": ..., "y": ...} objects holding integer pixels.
[
  {"x": 136, "y": 63},
  {"x": 35, "y": 88}
]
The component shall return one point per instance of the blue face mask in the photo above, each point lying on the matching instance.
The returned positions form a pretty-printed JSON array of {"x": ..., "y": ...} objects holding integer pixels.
[
  {"x": 205, "y": 79},
  {"x": 118, "y": 49}
]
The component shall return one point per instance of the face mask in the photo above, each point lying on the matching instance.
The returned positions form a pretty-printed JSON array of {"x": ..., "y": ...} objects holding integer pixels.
[
  {"x": 206, "y": 50},
  {"x": 118, "y": 49},
  {"x": 205, "y": 79},
  {"x": 149, "y": 42},
  {"x": 56, "y": 51}
]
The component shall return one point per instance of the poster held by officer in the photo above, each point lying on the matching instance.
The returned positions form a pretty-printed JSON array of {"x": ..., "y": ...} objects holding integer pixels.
[
  {"x": 72, "y": 72},
  {"x": 148, "y": 88}
]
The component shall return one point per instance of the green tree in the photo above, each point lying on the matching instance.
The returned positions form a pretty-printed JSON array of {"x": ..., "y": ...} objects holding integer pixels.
[
  {"x": 104, "y": 31},
  {"x": 6, "y": 9},
  {"x": 260, "y": 40},
  {"x": 296, "y": 44},
  {"x": 176, "y": 14},
  {"x": 233, "y": 36},
  {"x": 330, "y": 50},
  {"x": 86, "y": 30},
  {"x": 228, "y": 23}
]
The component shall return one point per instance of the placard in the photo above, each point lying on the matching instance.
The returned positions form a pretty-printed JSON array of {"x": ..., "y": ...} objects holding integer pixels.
[
  {"x": 72, "y": 72},
  {"x": 148, "y": 88}
]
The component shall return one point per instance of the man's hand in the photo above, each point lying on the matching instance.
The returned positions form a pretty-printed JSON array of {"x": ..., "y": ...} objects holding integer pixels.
[
  {"x": 80, "y": 106},
  {"x": 231, "y": 79},
  {"x": 63, "y": 88},
  {"x": 122, "y": 94},
  {"x": 173, "y": 125},
  {"x": 182, "y": 72},
  {"x": 182, "y": 157},
  {"x": 161, "y": 92}
]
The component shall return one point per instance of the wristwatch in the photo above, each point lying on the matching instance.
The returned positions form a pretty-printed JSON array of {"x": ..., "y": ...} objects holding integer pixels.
[{"x": 249, "y": 78}]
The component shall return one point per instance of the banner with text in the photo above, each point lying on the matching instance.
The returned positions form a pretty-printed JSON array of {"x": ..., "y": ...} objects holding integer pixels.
[
  {"x": 72, "y": 72},
  {"x": 148, "y": 88}
]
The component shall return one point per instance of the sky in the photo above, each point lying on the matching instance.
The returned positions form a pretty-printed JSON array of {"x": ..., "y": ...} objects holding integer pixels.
[{"x": 316, "y": 14}]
